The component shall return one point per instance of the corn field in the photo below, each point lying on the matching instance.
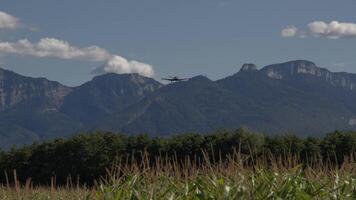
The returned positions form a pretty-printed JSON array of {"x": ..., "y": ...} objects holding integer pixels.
[{"x": 278, "y": 178}]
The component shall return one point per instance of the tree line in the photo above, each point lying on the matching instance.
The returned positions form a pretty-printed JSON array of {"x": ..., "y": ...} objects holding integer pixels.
[{"x": 85, "y": 157}]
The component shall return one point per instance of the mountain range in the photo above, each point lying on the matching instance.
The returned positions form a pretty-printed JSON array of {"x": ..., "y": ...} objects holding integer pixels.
[{"x": 292, "y": 97}]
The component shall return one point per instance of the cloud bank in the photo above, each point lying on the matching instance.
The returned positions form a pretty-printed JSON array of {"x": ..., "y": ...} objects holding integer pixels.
[
  {"x": 118, "y": 64},
  {"x": 8, "y": 21},
  {"x": 332, "y": 30},
  {"x": 51, "y": 47}
]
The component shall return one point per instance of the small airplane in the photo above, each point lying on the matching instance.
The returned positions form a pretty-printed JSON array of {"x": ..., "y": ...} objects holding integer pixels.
[{"x": 174, "y": 79}]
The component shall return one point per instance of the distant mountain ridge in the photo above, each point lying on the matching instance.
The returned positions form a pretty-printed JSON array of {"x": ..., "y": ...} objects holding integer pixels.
[
  {"x": 302, "y": 67},
  {"x": 16, "y": 89},
  {"x": 295, "y": 96},
  {"x": 107, "y": 94}
]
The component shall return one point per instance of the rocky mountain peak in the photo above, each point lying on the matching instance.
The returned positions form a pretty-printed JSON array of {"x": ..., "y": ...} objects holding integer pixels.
[
  {"x": 248, "y": 67},
  {"x": 107, "y": 93},
  {"x": 303, "y": 68},
  {"x": 297, "y": 67},
  {"x": 37, "y": 92},
  {"x": 132, "y": 77},
  {"x": 200, "y": 78}
]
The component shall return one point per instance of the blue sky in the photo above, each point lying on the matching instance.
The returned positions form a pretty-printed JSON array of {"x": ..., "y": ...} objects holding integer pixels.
[{"x": 162, "y": 37}]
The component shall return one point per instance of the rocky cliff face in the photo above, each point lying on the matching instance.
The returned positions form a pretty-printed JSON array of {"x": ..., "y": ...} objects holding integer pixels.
[
  {"x": 296, "y": 68},
  {"x": 345, "y": 80},
  {"x": 248, "y": 67},
  {"x": 16, "y": 89},
  {"x": 34, "y": 109}
]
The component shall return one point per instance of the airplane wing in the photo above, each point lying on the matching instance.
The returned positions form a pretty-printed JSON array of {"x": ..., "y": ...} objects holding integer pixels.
[{"x": 175, "y": 79}]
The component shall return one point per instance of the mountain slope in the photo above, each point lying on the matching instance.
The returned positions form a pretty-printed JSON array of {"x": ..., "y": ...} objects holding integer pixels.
[
  {"x": 16, "y": 89},
  {"x": 106, "y": 94},
  {"x": 194, "y": 105},
  {"x": 295, "y": 96},
  {"x": 300, "y": 103},
  {"x": 29, "y": 109},
  {"x": 299, "y": 100},
  {"x": 37, "y": 109}
]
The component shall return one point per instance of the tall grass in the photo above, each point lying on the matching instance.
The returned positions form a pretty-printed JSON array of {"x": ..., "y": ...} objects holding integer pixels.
[{"x": 240, "y": 177}]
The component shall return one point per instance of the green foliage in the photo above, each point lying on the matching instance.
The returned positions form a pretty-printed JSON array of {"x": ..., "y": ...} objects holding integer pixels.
[
  {"x": 337, "y": 145},
  {"x": 230, "y": 182},
  {"x": 86, "y": 157}
]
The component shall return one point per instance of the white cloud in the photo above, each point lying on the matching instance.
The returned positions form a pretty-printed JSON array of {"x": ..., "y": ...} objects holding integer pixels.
[
  {"x": 51, "y": 47},
  {"x": 8, "y": 21},
  {"x": 120, "y": 65},
  {"x": 289, "y": 31},
  {"x": 332, "y": 30}
]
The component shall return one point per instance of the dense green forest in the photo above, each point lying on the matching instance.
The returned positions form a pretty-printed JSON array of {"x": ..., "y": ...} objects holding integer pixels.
[{"x": 86, "y": 157}]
